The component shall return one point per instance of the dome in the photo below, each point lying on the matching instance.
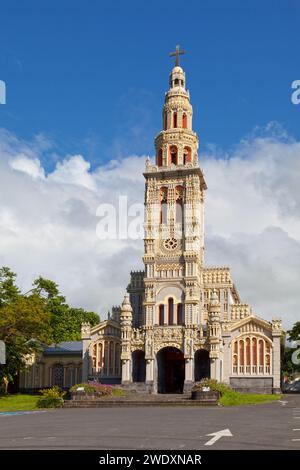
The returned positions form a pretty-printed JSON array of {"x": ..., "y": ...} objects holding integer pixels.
[
  {"x": 177, "y": 69},
  {"x": 126, "y": 306}
]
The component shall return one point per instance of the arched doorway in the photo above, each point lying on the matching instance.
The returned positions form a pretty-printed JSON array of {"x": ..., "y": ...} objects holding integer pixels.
[
  {"x": 170, "y": 370},
  {"x": 202, "y": 365},
  {"x": 138, "y": 366}
]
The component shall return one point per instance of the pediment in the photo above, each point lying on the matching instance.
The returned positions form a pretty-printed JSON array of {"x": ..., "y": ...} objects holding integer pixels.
[
  {"x": 103, "y": 327},
  {"x": 251, "y": 324}
]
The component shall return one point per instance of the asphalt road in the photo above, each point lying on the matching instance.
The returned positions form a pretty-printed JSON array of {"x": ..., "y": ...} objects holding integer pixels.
[{"x": 269, "y": 426}]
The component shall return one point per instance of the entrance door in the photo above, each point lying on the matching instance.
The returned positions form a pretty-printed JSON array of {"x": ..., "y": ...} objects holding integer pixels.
[
  {"x": 202, "y": 365},
  {"x": 170, "y": 364},
  {"x": 138, "y": 366}
]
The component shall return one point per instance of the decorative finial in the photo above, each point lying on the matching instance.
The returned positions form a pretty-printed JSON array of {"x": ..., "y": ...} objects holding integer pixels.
[
  {"x": 126, "y": 305},
  {"x": 177, "y": 53},
  {"x": 214, "y": 300}
]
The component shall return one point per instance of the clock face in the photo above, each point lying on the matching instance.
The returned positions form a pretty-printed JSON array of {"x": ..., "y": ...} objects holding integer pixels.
[{"x": 171, "y": 244}]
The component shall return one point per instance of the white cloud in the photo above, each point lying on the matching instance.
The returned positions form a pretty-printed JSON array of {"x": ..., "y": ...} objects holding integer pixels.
[
  {"x": 31, "y": 166},
  {"x": 74, "y": 170},
  {"x": 48, "y": 221}
]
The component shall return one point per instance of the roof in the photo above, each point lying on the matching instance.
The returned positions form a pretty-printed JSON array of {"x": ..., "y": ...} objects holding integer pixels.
[{"x": 66, "y": 347}]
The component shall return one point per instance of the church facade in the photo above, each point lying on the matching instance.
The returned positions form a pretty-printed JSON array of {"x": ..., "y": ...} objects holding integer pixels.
[{"x": 180, "y": 320}]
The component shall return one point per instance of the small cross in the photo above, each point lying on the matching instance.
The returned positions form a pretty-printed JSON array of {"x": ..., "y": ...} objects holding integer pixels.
[{"x": 177, "y": 53}]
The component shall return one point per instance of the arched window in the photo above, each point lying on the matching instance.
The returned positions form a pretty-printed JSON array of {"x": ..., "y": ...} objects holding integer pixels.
[
  {"x": 180, "y": 314},
  {"x": 165, "y": 125},
  {"x": 170, "y": 311},
  {"x": 187, "y": 155},
  {"x": 179, "y": 205},
  {"x": 100, "y": 354},
  {"x": 179, "y": 212},
  {"x": 251, "y": 355},
  {"x": 163, "y": 205},
  {"x": 105, "y": 357},
  {"x": 111, "y": 356},
  {"x": 159, "y": 157},
  {"x": 174, "y": 119},
  {"x": 94, "y": 360},
  {"x": 117, "y": 359},
  {"x": 247, "y": 351},
  {"x": 58, "y": 375},
  {"x": 254, "y": 355},
  {"x": 184, "y": 121},
  {"x": 261, "y": 355},
  {"x": 161, "y": 314},
  {"x": 173, "y": 154},
  {"x": 241, "y": 355}
]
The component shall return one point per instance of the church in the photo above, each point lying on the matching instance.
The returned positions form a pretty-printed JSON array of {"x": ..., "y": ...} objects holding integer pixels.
[{"x": 180, "y": 320}]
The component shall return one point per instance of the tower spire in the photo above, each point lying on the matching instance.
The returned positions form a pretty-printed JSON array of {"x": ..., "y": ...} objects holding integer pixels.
[{"x": 177, "y": 53}]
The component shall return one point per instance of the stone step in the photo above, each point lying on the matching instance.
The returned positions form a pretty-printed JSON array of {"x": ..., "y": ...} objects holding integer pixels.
[{"x": 133, "y": 403}]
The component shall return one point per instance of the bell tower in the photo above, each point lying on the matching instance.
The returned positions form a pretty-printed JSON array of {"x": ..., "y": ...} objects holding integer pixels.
[{"x": 174, "y": 214}]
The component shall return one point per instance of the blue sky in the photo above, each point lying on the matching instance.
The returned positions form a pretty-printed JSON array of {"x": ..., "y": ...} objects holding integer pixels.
[
  {"x": 91, "y": 75},
  {"x": 85, "y": 86}
]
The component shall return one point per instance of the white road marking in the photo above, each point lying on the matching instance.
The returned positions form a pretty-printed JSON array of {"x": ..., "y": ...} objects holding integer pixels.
[
  {"x": 295, "y": 440},
  {"x": 18, "y": 413},
  {"x": 297, "y": 429},
  {"x": 283, "y": 403},
  {"x": 217, "y": 435}
]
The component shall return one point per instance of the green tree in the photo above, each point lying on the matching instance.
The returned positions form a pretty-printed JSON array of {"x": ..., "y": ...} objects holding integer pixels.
[
  {"x": 294, "y": 333},
  {"x": 288, "y": 366},
  {"x": 45, "y": 288},
  {"x": 65, "y": 320},
  {"x": 40, "y": 316},
  {"x": 8, "y": 289},
  {"x": 24, "y": 324}
]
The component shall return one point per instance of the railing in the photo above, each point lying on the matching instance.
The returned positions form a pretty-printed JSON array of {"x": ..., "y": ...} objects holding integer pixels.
[{"x": 251, "y": 370}]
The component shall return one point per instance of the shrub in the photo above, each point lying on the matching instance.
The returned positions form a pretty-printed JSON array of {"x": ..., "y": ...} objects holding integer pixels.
[
  {"x": 213, "y": 385},
  {"x": 95, "y": 388},
  {"x": 54, "y": 392},
  {"x": 50, "y": 402},
  {"x": 51, "y": 398}
]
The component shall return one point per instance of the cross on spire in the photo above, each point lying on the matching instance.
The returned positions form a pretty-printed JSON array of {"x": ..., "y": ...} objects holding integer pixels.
[{"x": 177, "y": 53}]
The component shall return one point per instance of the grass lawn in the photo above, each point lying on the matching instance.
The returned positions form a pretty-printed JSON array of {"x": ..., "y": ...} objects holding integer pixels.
[
  {"x": 18, "y": 402},
  {"x": 231, "y": 398}
]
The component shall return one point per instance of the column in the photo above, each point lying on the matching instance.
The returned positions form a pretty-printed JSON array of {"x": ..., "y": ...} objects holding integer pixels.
[
  {"x": 227, "y": 358},
  {"x": 86, "y": 359},
  {"x": 166, "y": 314},
  {"x": 126, "y": 371},
  {"x": 189, "y": 370},
  {"x": 276, "y": 364},
  {"x": 215, "y": 369},
  {"x": 149, "y": 371},
  {"x": 175, "y": 312}
]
